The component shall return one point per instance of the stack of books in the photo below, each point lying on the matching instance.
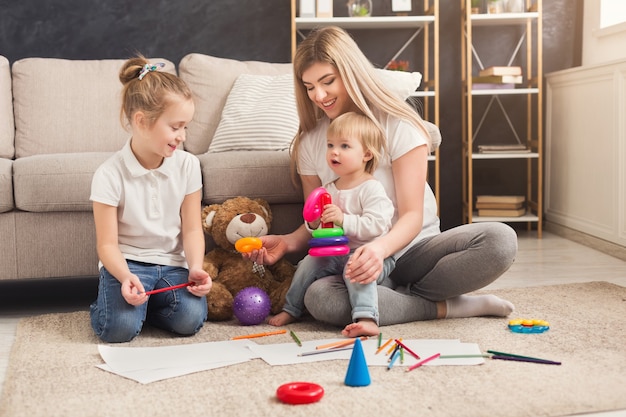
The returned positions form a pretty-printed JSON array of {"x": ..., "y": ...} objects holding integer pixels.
[
  {"x": 498, "y": 77},
  {"x": 501, "y": 205}
]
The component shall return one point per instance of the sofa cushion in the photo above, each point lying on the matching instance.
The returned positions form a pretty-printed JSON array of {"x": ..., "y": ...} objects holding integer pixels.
[
  {"x": 211, "y": 80},
  {"x": 7, "y": 127},
  {"x": 65, "y": 106},
  {"x": 55, "y": 182},
  {"x": 259, "y": 174},
  {"x": 259, "y": 115},
  {"x": 6, "y": 185}
]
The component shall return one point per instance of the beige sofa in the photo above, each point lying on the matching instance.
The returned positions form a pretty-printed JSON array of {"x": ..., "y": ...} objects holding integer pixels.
[{"x": 59, "y": 120}]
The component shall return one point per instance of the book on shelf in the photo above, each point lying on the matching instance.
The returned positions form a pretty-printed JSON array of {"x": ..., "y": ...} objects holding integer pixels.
[
  {"x": 498, "y": 79},
  {"x": 506, "y": 206},
  {"x": 492, "y": 86},
  {"x": 514, "y": 148},
  {"x": 495, "y": 70},
  {"x": 500, "y": 198},
  {"x": 502, "y": 212}
]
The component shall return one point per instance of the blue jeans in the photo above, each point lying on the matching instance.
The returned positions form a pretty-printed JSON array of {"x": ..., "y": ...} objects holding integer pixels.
[
  {"x": 177, "y": 311},
  {"x": 363, "y": 297}
]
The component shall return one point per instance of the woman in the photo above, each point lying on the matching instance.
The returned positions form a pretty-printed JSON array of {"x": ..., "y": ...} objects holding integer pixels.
[{"x": 433, "y": 269}]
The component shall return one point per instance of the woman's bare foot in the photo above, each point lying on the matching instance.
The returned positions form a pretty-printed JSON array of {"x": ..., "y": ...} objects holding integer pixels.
[
  {"x": 281, "y": 319},
  {"x": 363, "y": 327}
]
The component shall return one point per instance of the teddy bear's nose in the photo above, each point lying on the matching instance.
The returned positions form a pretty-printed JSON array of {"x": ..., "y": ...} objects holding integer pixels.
[{"x": 248, "y": 218}]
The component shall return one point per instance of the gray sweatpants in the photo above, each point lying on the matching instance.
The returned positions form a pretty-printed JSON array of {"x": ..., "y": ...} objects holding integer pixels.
[{"x": 457, "y": 261}]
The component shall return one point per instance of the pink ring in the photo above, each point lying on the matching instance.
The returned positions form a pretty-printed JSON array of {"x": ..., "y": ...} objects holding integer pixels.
[
  {"x": 337, "y": 250},
  {"x": 312, "y": 209}
]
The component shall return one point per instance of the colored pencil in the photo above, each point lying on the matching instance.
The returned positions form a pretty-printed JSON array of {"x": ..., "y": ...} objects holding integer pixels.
[
  {"x": 380, "y": 339},
  {"x": 415, "y": 355},
  {"x": 384, "y": 345},
  {"x": 518, "y": 359},
  {"x": 512, "y": 355},
  {"x": 295, "y": 338},
  {"x": 251, "y": 336},
  {"x": 341, "y": 343},
  {"x": 391, "y": 349},
  {"x": 173, "y": 287},
  {"x": 394, "y": 357},
  {"x": 482, "y": 355},
  {"x": 422, "y": 362},
  {"x": 315, "y": 352}
]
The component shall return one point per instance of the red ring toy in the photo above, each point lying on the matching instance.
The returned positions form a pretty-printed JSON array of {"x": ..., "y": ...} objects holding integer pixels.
[{"x": 299, "y": 393}]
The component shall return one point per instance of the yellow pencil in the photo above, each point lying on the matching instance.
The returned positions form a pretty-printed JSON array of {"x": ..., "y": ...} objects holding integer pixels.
[{"x": 251, "y": 336}]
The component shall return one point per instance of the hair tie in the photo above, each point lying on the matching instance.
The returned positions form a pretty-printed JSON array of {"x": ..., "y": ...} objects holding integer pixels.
[{"x": 149, "y": 68}]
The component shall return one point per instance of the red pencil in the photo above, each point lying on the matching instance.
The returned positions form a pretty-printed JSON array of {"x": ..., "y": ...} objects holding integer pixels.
[
  {"x": 173, "y": 287},
  {"x": 420, "y": 363},
  {"x": 415, "y": 355}
]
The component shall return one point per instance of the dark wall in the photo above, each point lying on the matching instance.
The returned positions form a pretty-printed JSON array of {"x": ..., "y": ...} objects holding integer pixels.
[{"x": 260, "y": 30}]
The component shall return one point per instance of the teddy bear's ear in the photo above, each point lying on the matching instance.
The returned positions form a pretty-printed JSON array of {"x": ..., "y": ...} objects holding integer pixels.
[
  {"x": 266, "y": 209},
  {"x": 208, "y": 213}
]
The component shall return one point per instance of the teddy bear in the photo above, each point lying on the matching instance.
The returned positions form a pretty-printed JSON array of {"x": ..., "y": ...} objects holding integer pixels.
[{"x": 226, "y": 223}]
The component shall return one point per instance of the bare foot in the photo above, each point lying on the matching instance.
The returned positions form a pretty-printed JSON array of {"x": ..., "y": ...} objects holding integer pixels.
[
  {"x": 363, "y": 327},
  {"x": 282, "y": 318}
]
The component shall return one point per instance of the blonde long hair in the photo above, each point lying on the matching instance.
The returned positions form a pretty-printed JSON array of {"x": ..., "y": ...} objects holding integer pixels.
[{"x": 332, "y": 45}]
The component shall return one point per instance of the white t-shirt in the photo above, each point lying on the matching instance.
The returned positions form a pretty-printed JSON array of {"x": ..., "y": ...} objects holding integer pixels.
[
  {"x": 148, "y": 203},
  {"x": 402, "y": 137}
]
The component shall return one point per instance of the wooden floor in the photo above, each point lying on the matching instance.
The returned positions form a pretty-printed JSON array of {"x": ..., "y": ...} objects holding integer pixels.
[{"x": 547, "y": 261}]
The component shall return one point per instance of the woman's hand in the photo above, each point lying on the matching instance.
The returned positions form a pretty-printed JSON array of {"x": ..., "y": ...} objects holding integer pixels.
[
  {"x": 133, "y": 291},
  {"x": 365, "y": 264},
  {"x": 202, "y": 282},
  {"x": 274, "y": 248}
]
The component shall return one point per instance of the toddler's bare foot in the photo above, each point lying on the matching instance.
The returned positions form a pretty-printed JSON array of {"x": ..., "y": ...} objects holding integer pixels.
[
  {"x": 281, "y": 319},
  {"x": 363, "y": 327}
]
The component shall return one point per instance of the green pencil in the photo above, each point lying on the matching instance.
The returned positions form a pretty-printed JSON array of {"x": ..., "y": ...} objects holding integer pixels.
[
  {"x": 481, "y": 355},
  {"x": 493, "y": 352},
  {"x": 295, "y": 338}
]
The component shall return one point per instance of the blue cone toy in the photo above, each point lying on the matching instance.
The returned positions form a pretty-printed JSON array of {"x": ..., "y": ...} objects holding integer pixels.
[{"x": 358, "y": 375}]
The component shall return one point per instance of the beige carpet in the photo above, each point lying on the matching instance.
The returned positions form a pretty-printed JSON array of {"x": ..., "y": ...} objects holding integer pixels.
[{"x": 52, "y": 368}]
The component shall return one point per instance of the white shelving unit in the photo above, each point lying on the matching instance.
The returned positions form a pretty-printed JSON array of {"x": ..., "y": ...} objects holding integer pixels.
[
  {"x": 530, "y": 93},
  {"x": 426, "y": 24}
]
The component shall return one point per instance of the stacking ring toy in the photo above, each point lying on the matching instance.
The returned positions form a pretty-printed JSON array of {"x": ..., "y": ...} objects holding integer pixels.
[
  {"x": 328, "y": 241},
  {"x": 330, "y": 250},
  {"x": 299, "y": 393},
  {"x": 248, "y": 244},
  {"x": 327, "y": 232},
  {"x": 313, "y": 206},
  {"x": 528, "y": 326}
]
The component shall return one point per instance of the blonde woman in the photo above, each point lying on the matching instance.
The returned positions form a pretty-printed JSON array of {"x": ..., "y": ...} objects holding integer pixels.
[{"x": 434, "y": 270}]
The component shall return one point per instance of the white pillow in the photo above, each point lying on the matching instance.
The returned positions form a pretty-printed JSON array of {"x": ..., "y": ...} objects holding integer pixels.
[
  {"x": 403, "y": 83},
  {"x": 260, "y": 111},
  {"x": 259, "y": 115}
]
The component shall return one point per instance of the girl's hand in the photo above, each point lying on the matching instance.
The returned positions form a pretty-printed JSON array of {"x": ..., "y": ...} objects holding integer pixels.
[
  {"x": 133, "y": 291},
  {"x": 332, "y": 214},
  {"x": 365, "y": 264},
  {"x": 274, "y": 248},
  {"x": 202, "y": 282}
]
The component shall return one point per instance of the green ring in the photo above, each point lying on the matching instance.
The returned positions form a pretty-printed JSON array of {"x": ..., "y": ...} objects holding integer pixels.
[{"x": 328, "y": 232}]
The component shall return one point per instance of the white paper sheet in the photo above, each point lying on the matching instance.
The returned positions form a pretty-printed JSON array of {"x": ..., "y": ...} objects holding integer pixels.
[{"x": 149, "y": 364}]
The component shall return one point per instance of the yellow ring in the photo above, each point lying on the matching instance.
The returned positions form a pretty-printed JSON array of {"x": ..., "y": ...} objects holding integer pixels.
[{"x": 248, "y": 244}]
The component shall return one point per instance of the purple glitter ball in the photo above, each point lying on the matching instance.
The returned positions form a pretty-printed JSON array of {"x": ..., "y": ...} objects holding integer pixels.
[{"x": 251, "y": 306}]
